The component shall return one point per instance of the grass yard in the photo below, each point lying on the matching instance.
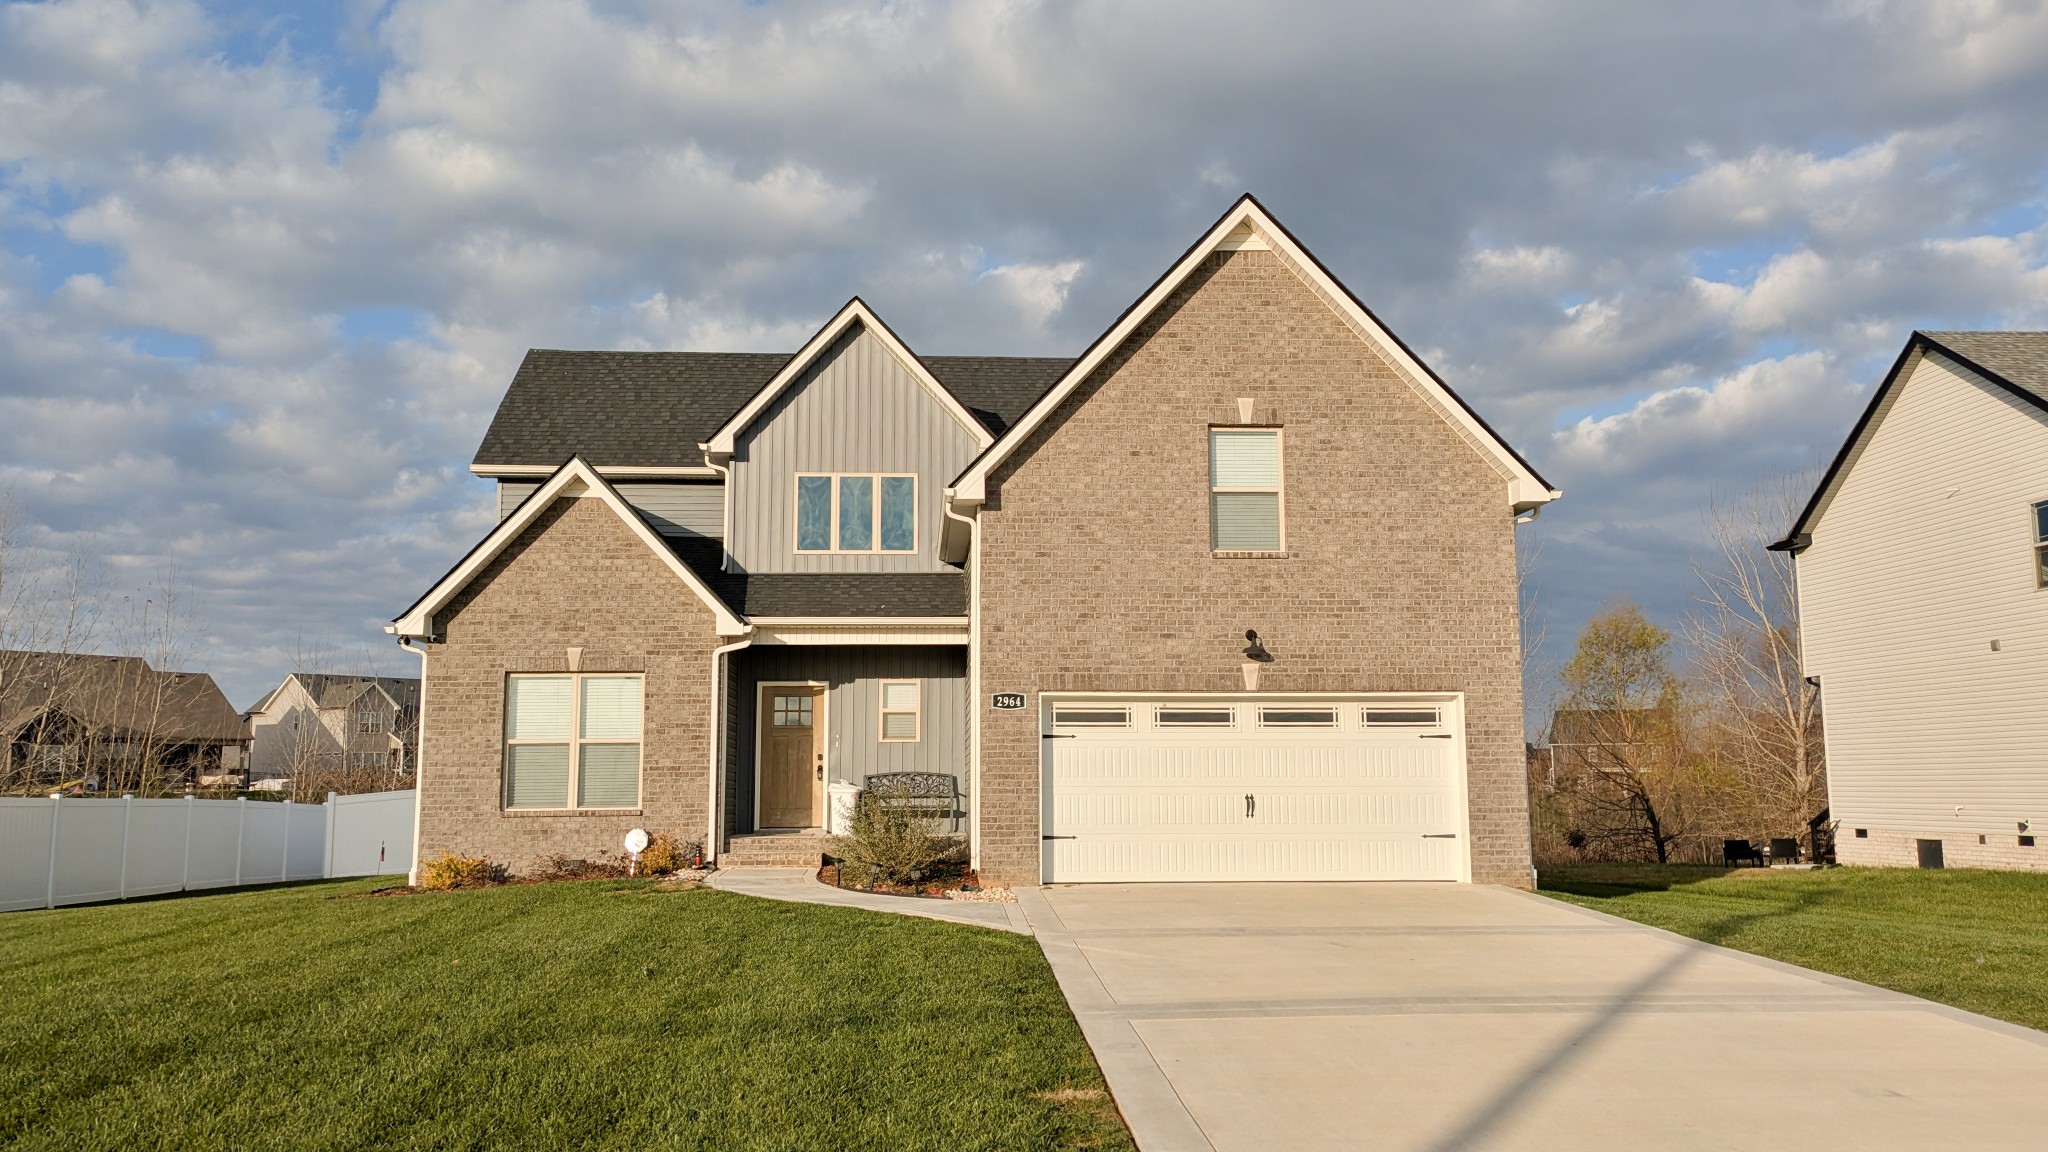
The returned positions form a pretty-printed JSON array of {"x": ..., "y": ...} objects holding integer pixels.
[
  {"x": 602, "y": 1014},
  {"x": 1977, "y": 940}
]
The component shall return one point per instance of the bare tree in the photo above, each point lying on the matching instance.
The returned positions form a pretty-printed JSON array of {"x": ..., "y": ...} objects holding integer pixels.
[{"x": 1762, "y": 716}]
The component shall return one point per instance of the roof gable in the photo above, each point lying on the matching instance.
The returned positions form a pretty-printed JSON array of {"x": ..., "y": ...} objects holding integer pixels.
[
  {"x": 2013, "y": 362},
  {"x": 575, "y": 478},
  {"x": 856, "y": 313},
  {"x": 1247, "y": 225}
]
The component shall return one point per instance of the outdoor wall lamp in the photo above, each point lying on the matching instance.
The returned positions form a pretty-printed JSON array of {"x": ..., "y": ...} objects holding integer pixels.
[{"x": 1256, "y": 650}]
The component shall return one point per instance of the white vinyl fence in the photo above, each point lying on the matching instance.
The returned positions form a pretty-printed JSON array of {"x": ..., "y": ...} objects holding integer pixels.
[{"x": 65, "y": 850}]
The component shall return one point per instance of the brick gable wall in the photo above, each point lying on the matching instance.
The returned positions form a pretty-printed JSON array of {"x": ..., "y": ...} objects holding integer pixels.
[
  {"x": 578, "y": 577},
  {"x": 1096, "y": 571}
]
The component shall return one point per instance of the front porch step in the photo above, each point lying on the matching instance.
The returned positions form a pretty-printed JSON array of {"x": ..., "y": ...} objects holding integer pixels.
[{"x": 776, "y": 850}]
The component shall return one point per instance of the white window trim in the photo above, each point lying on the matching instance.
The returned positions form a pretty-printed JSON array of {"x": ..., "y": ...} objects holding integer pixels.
[
  {"x": 883, "y": 710},
  {"x": 1279, "y": 490},
  {"x": 575, "y": 741},
  {"x": 2040, "y": 542},
  {"x": 832, "y": 527}
]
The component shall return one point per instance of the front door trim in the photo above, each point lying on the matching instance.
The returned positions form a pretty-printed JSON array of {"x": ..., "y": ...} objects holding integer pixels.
[{"x": 820, "y": 730}]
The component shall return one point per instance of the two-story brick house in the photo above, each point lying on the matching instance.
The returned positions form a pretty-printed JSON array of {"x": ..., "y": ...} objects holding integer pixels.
[{"x": 1229, "y": 596}]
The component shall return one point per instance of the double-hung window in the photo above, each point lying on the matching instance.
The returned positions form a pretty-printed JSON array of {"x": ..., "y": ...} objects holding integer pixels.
[
  {"x": 572, "y": 741},
  {"x": 863, "y": 512},
  {"x": 900, "y": 711},
  {"x": 1244, "y": 490},
  {"x": 2041, "y": 544}
]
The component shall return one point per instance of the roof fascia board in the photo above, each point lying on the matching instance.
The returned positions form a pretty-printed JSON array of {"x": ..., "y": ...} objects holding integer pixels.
[
  {"x": 609, "y": 471},
  {"x": 575, "y": 478},
  {"x": 1801, "y": 533},
  {"x": 1529, "y": 490},
  {"x": 722, "y": 442},
  {"x": 1801, "y": 536}
]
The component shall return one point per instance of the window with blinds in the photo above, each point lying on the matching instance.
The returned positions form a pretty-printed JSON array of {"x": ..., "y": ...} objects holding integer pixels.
[
  {"x": 572, "y": 741},
  {"x": 1244, "y": 490},
  {"x": 901, "y": 711}
]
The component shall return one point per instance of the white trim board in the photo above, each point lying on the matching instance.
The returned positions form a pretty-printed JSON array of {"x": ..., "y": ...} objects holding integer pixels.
[
  {"x": 722, "y": 442},
  {"x": 575, "y": 479},
  {"x": 1247, "y": 226}
]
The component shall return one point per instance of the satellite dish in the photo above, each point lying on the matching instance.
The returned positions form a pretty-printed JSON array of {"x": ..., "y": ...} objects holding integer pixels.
[{"x": 636, "y": 841}]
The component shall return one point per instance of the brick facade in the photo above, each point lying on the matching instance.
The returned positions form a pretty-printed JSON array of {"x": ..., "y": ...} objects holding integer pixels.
[
  {"x": 577, "y": 577},
  {"x": 1096, "y": 570}
]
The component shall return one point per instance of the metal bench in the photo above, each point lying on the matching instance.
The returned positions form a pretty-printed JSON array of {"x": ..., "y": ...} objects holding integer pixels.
[
  {"x": 1735, "y": 853},
  {"x": 933, "y": 794}
]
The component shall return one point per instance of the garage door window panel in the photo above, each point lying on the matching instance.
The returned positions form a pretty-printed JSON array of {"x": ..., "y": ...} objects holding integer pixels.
[
  {"x": 1297, "y": 717},
  {"x": 1091, "y": 717}
]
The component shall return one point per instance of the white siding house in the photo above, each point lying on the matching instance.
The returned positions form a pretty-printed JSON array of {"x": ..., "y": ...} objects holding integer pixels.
[{"x": 1923, "y": 601}]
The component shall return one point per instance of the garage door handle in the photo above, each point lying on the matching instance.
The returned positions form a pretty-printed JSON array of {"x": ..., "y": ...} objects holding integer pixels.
[
  {"x": 1055, "y": 736},
  {"x": 1438, "y": 736},
  {"x": 1059, "y": 837},
  {"x": 1439, "y": 835},
  {"x": 1251, "y": 805}
]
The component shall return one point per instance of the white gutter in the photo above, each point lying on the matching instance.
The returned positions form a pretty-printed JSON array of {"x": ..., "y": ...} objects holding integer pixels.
[
  {"x": 973, "y": 676},
  {"x": 419, "y": 761},
  {"x": 724, "y": 505},
  {"x": 714, "y": 818}
]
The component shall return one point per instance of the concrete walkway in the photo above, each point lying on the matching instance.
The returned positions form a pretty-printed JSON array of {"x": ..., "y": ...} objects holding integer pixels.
[
  {"x": 1445, "y": 1017},
  {"x": 801, "y": 886}
]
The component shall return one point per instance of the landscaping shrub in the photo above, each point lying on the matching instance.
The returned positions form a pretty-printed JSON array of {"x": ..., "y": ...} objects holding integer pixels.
[
  {"x": 886, "y": 844},
  {"x": 569, "y": 868},
  {"x": 666, "y": 854},
  {"x": 449, "y": 871}
]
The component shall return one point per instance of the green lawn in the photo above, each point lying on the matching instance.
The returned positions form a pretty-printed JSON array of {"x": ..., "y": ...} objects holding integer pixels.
[
  {"x": 1977, "y": 940},
  {"x": 604, "y": 1014}
]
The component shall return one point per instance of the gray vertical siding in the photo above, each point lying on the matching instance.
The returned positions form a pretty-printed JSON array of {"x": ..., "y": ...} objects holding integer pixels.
[
  {"x": 858, "y": 409},
  {"x": 853, "y": 750},
  {"x": 675, "y": 508}
]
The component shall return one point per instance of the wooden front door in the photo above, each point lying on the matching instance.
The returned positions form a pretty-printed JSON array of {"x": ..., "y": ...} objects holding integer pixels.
[{"x": 792, "y": 756}]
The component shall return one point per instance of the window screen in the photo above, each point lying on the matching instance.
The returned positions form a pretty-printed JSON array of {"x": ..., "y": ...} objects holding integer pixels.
[{"x": 1244, "y": 489}]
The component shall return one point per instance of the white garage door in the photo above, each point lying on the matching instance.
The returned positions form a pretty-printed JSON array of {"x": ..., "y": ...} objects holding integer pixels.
[{"x": 1253, "y": 788}]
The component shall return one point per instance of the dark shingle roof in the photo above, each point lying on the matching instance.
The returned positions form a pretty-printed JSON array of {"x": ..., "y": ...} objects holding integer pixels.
[
  {"x": 652, "y": 409},
  {"x": 121, "y": 696},
  {"x": 2020, "y": 357},
  {"x": 883, "y": 594}
]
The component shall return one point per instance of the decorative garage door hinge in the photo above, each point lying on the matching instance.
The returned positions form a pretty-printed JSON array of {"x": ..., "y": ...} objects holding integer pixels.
[{"x": 1059, "y": 837}]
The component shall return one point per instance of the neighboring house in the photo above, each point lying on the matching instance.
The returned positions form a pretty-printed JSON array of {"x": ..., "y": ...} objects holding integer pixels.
[
  {"x": 1229, "y": 597},
  {"x": 331, "y": 724},
  {"x": 1610, "y": 739},
  {"x": 1923, "y": 599},
  {"x": 107, "y": 723}
]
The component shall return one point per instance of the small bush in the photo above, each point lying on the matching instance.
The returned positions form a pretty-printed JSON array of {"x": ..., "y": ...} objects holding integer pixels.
[
  {"x": 568, "y": 868},
  {"x": 666, "y": 854},
  {"x": 885, "y": 844},
  {"x": 449, "y": 871}
]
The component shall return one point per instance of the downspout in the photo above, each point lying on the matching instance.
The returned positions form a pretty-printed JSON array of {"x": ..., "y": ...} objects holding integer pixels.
[
  {"x": 713, "y": 816},
  {"x": 419, "y": 763},
  {"x": 724, "y": 505},
  {"x": 973, "y": 524}
]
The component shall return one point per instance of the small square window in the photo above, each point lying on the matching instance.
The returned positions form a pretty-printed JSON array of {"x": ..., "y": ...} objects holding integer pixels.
[
  {"x": 1863, "y": 833},
  {"x": 901, "y": 713}
]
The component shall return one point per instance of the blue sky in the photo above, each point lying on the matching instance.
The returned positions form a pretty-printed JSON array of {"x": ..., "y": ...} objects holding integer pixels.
[{"x": 265, "y": 269}]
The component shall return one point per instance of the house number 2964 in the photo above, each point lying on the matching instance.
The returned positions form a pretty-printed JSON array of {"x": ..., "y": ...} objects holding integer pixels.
[{"x": 1006, "y": 701}]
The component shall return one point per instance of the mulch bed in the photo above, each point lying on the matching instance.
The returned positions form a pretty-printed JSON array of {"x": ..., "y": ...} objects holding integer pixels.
[
  {"x": 944, "y": 877},
  {"x": 672, "y": 881}
]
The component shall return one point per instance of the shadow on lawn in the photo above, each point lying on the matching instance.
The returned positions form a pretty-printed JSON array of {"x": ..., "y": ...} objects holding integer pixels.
[{"x": 1574, "y": 1047}]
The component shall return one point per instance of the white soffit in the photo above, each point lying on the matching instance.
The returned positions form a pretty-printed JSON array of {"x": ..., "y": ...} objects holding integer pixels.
[
  {"x": 574, "y": 480},
  {"x": 856, "y": 312},
  {"x": 1247, "y": 227}
]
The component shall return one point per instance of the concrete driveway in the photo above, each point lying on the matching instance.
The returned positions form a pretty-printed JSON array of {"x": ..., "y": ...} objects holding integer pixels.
[{"x": 1441, "y": 1018}]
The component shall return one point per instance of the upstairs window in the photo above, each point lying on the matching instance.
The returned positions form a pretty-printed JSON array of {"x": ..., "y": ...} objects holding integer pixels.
[
  {"x": 369, "y": 723},
  {"x": 860, "y": 512},
  {"x": 1244, "y": 490},
  {"x": 2041, "y": 544}
]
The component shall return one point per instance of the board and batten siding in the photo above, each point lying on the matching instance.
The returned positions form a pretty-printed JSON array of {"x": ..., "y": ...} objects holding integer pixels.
[
  {"x": 675, "y": 509},
  {"x": 857, "y": 409},
  {"x": 1921, "y": 560},
  {"x": 853, "y": 746}
]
